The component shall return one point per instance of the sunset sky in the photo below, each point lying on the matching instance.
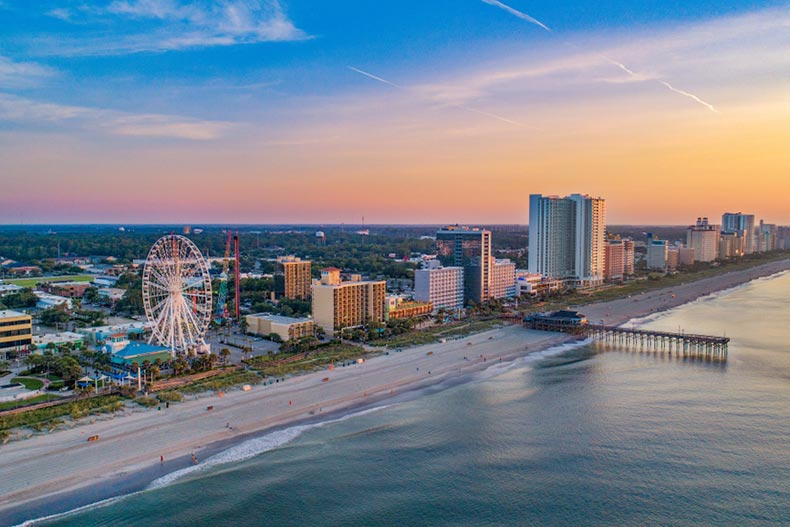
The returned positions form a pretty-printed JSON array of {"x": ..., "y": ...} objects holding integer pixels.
[{"x": 259, "y": 111}]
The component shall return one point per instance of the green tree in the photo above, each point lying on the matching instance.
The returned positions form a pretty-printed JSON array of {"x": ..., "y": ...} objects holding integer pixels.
[
  {"x": 225, "y": 354},
  {"x": 53, "y": 316},
  {"x": 91, "y": 296}
]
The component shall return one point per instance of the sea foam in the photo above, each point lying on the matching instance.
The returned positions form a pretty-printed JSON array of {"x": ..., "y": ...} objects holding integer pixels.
[
  {"x": 253, "y": 447},
  {"x": 240, "y": 452}
]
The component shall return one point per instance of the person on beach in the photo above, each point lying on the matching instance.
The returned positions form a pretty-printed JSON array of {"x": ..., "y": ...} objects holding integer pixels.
[
  {"x": 194, "y": 459},
  {"x": 161, "y": 459}
]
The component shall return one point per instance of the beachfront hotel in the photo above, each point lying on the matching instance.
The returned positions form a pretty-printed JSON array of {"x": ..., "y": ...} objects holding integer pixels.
[
  {"x": 503, "y": 278},
  {"x": 703, "y": 237},
  {"x": 743, "y": 224},
  {"x": 566, "y": 238},
  {"x": 657, "y": 254},
  {"x": 341, "y": 304},
  {"x": 470, "y": 248},
  {"x": 16, "y": 333},
  {"x": 732, "y": 244},
  {"x": 443, "y": 287},
  {"x": 614, "y": 260},
  {"x": 292, "y": 278}
]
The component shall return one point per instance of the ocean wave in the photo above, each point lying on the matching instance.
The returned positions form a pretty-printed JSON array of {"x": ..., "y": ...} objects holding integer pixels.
[
  {"x": 715, "y": 295},
  {"x": 91, "y": 506},
  {"x": 240, "y": 452},
  {"x": 556, "y": 350},
  {"x": 253, "y": 447},
  {"x": 499, "y": 368}
]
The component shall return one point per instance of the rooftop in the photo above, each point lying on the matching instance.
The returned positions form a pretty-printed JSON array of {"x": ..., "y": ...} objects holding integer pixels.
[
  {"x": 281, "y": 319},
  {"x": 137, "y": 349},
  {"x": 55, "y": 338},
  {"x": 7, "y": 313}
]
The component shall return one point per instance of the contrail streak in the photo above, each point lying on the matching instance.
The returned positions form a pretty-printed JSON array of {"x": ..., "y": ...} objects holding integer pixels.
[
  {"x": 467, "y": 108},
  {"x": 690, "y": 96},
  {"x": 487, "y": 114},
  {"x": 374, "y": 77},
  {"x": 516, "y": 12},
  {"x": 524, "y": 16},
  {"x": 621, "y": 66},
  {"x": 665, "y": 83}
]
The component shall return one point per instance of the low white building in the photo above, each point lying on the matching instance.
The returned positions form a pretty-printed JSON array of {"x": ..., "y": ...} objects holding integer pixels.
[
  {"x": 535, "y": 284},
  {"x": 47, "y": 300},
  {"x": 105, "y": 280},
  {"x": 9, "y": 289},
  {"x": 102, "y": 333},
  {"x": 288, "y": 328},
  {"x": 113, "y": 294},
  {"x": 58, "y": 340}
]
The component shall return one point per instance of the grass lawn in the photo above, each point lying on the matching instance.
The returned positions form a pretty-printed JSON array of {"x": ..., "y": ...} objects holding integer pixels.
[
  {"x": 30, "y": 282},
  {"x": 29, "y": 382}
]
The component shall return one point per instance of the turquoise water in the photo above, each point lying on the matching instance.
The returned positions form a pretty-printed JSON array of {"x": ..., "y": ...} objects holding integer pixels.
[{"x": 587, "y": 437}]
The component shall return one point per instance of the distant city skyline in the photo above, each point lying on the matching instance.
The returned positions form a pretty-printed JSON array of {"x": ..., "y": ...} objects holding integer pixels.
[{"x": 267, "y": 111}]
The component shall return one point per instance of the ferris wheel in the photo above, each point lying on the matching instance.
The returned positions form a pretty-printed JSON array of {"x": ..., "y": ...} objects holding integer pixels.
[{"x": 177, "y": 293}]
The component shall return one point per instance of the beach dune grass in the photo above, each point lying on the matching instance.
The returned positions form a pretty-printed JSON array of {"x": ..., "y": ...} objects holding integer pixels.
[
  {"x": 330, "y": 353},
  {"x": 435, "y": 334},
  {"x": 44, "y": 417},
  {"x": 221, "y": 382}
]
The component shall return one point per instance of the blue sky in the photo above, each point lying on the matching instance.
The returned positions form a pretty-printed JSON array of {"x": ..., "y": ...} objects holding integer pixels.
[{"x": 170, "y": 84}]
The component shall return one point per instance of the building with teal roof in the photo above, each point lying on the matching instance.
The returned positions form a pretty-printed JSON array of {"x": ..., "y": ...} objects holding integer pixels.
[{"x": 139, "y": 352}]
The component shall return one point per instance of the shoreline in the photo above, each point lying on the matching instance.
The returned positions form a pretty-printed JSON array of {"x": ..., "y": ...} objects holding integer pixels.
[{"x": 126, "y": 458}]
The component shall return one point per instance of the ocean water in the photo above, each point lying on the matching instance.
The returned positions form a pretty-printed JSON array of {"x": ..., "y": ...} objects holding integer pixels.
[{"x": 586, "y": 436}]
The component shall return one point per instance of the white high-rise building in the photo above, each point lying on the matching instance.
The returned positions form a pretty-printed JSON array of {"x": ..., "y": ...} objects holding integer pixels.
[
  {"x": 657, "y": 254},
  {"x": 503, "y": 278},
  {"x": 443, "y": 287},
  {"x": 567, "y": 237},
  {"x": 704, "y": 239}
]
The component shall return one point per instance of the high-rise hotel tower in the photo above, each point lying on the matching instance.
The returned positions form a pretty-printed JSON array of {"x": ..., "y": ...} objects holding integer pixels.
[{"x": 567, "y": 237}]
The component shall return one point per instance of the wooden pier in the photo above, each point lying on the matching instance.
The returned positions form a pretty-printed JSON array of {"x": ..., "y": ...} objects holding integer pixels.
[{"x": 679, "y": 344}]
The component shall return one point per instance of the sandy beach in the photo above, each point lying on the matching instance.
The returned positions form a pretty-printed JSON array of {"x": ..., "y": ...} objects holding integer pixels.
[{"x": 46, "y": 467}]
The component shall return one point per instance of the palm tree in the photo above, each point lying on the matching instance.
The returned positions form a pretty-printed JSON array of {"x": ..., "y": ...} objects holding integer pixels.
[
  {"x": 224, "y": 353},
  {"x": 211, "y": 361}
]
